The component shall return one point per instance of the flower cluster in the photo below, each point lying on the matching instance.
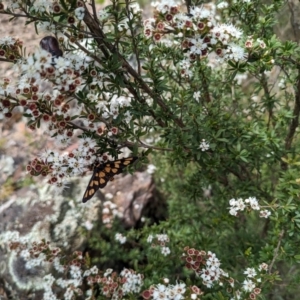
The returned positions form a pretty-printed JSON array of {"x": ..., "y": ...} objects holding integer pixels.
[
  {"x": 172, "y": 292},
  {"x": 120, "y": 238},
  {"x": 160, "y": 241},
  {"x": 59, "y": 167},
  {"x": 58, "y": 111},
  {"x": 10, "y": 48},
  {"x": 109, "y": 212},
  {"x": 250, "y": 284},
  {"x": 114, "y": 286},
  {"x": 250, "y": 203},
  {"x": 34, "y": 253},
  {"x": 197, "y": 32},
  {"x": 132, "y": 282},
  {"x": 161, "y": 291},
  {"x": 45, "y": 8},
  {"x": 48, "y": 94},
  {"x": 74, "y": 270},
  {"x": 206, "y": 265}
]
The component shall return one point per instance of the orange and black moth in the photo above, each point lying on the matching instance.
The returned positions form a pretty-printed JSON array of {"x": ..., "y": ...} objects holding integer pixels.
[{"x": 103, "y": 173}]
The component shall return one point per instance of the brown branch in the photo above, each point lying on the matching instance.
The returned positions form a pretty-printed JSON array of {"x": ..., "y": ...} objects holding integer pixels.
[
  {"x": 205, "y": 85},
  {"x": 94, "y": 11},
  {"x": 264, "y": 84},
  {"x": 281, "y": 234},
  {"x": 188, "y": 4},
  {"x": 134, "y": 44},
  {"x": 139, "y": 144},
  {"x": 143, "y": 145},
  {"x": 105, "y": 46},
  {"x": 295, "y": 121}
]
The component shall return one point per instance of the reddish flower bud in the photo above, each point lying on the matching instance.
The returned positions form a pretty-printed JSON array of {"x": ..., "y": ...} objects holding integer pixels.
[
  {"x": 201, "y": 25},
  {"x": 56, "y": 8},
  {"x": 174, "y": 10},
  {"x": 35, "y": 113},
  {"x": 57, "y": 102},
  {"x": 8, "y": 115},
  {"x": 62, "y": 124},
  {"x": 38, "y": 168},
  {"x": 157, "y": 36},
  {"x": 34, "y": 97},
  {"x": 34, "y": 88},
  {"x": 53, "y": 179},
  {"x": 72, "y": 87},
  {"x": 6, "y": 103},
  {"x": 91, "y": 117},
  {"x": 219, "y": 51},
  {"x": 26, "y": 90},
  {"x": 169, "y": 17}
]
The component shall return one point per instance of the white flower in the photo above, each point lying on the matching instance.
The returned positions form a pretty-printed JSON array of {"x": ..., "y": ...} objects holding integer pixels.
[
  {"x": 248, "y": 285},
  {"x": 197, "y": 95},
  {"x": 198, "y": 45},
  {"x": 150, "y": 238},
  {"x": 48, "y": 280},
  {"x": 57, "y": 265},
  {"x": 232, "y": 202},
  {"x": 61, "y": 64},
  {"x": 103, "y": 14},
  {"x": 222, "y": 5},
  {"x": 151, "y": 169},
  {"x": 162, "y": 237},
  {"x": 264, "y": 213},
  {"x": 48, "y": 295},
  {"x": 235, "y": 52},
  {"x": 119, "y": 237},
  {"x": 133, "y": 283},
  {"x": 240, "y": 205},
  {"x": 94, "y": 270},
  {"x": 107, "y": 272},
  {"x": 165, "y": 251},
  {"x": 88, "y": 225},
  {"x": 253, "y": 203},
  {"x": 263, "y": 266},
  {"x": 79, "y": 13},
  {"x": 204, "y": 145},
  {"x": 75, "y": 272},
  {"x": 250, "y": 272},
  {"x": 46, "y": 27},
  {"x": 7, "y": 40},
  {"x": 233, "y": 211},
  {"x": 159, "y": 292},
  {"x": 166, "y": 280}
]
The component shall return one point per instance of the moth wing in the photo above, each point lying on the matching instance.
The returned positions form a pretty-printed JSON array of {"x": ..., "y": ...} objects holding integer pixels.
[{"x": 104, "y": 173}]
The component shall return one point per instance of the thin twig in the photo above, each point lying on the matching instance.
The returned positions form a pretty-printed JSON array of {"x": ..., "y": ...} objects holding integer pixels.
[
  {"x": 295, "y": 121},
  {"x": 94, "y": 11},
  {"x": 135, "y": 47},
  {"x": 144, "y": 86},
  {"x": 143, "y": 145},
  {"x": 276, "y": 251}
]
